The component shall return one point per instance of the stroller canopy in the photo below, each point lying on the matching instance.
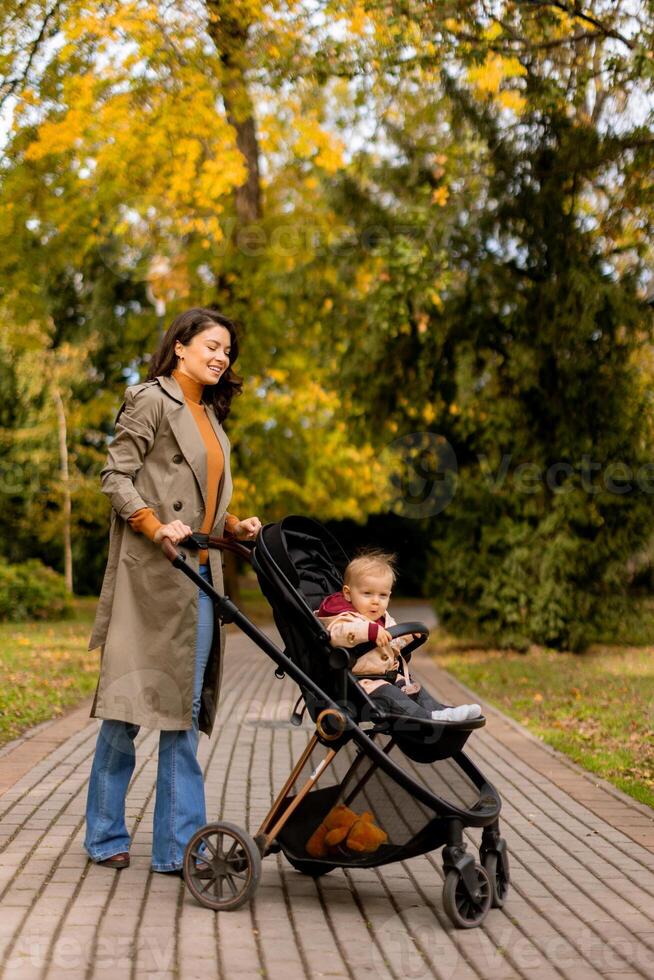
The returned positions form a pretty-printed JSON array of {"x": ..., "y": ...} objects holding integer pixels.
[
  {"x": 309, "y": 557},
  {"x": 298, "y": 562}
]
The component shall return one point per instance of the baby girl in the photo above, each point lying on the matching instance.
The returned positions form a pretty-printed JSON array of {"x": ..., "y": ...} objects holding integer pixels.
[{"x": 358, "y": 614}]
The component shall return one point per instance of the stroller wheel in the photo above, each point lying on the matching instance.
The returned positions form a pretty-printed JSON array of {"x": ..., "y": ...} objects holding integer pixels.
[
  {"x": 499, "y": 878},
  {"x": 465, "y": 912},
  {"x": 222, "y": 866}
]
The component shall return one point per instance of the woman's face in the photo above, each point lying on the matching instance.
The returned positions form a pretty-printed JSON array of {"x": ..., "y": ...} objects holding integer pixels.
[{"x": 206, "y": 357}]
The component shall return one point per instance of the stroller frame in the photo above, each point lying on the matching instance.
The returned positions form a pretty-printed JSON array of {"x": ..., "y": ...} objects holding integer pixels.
[{"x": 222, "y": 863}]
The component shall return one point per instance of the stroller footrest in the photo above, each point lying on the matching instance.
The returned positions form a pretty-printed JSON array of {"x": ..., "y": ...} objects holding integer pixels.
[{"x": 410, "y": 724}]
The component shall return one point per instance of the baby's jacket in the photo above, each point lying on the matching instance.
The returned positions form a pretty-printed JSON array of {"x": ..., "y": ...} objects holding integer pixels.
[{"x": 348, "y": 628}]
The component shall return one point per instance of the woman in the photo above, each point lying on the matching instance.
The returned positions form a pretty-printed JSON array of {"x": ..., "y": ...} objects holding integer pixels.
[{"x": 167, "y": 474}]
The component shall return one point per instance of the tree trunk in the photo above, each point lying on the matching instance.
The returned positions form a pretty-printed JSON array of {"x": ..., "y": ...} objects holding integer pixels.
[
  {"x": 65, "y": 486},
  {"x": 229, "y": 33}
]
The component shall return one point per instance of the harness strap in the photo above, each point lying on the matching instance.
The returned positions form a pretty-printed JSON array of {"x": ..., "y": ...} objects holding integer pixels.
[
  {"x": 411, "y": 688},
  {"x": 390, "y": 676}
]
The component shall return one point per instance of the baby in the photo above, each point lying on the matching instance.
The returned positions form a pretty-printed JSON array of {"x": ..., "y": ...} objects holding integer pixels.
[{"x": 358, "y": 614}]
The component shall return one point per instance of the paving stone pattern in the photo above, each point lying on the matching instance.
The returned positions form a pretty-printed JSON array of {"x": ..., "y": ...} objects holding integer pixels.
[{"x": 581, "y": 903}]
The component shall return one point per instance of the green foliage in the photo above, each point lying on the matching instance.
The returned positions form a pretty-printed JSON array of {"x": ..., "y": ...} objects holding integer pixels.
[
  {"x": 515, "y": 330},
  {"x": 454, "y": 236},
  {"x": 557, "y": 395},
  {"x": 31, "y": 590},
  {"x": 117, "y": 192}
]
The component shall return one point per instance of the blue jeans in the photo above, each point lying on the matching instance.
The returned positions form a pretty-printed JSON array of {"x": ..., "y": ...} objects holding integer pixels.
[{"x": 179, "y": 807}]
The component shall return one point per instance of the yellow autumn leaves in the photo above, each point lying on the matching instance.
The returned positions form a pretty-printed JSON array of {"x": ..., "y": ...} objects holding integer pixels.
[
  {"x": 493, "y": 79},
  {"x": 165, "y": 148}
]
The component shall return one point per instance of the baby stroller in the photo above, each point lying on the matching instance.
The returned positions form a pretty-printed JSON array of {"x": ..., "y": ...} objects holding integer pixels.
[{"x": 417, "y": 787}]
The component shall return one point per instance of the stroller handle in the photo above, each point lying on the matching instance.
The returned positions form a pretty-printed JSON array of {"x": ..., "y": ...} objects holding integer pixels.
[{"x": 199, "y": 540}]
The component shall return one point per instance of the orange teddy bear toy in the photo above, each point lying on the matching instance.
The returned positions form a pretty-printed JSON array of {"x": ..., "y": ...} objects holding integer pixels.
[{"x": 343, "y": 830}]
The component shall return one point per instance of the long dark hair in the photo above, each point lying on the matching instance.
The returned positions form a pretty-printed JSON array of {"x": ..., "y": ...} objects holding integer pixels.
[{"x": 183, "y": 329}]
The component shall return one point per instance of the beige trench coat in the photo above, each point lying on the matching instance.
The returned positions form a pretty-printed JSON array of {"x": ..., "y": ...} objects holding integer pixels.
[{"x": 147, "y": 614}]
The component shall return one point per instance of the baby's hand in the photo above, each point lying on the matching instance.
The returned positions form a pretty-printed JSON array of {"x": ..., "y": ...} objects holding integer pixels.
[{"x": 383, "y": 637}]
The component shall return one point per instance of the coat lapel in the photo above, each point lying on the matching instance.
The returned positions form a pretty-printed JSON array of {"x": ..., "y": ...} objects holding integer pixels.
[
  {"x": 225, "y": 488},
  {"x": 187, "y": 434},
  {"x": 171, "y": 387}
]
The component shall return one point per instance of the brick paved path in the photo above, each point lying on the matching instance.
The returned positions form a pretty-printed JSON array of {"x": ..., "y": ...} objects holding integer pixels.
[{"x": 581, "y": 904}]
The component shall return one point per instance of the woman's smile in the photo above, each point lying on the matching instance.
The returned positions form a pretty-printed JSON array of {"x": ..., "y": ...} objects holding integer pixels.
[{"x": 217, "y": 369}]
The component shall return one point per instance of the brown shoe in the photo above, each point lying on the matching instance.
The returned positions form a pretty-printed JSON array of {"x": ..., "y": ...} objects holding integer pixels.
[{"x": 116, "y": 861}]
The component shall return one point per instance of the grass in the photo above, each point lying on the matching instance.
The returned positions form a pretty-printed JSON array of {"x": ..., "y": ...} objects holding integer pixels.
[
  {"x": 45, "y": 668},
  {"x": 597, "y": 707}
]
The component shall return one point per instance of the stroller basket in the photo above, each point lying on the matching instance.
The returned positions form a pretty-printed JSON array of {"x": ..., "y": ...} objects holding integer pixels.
[
  {"x": 358, "y": 783},
  {"x": 369, "y": 788}
]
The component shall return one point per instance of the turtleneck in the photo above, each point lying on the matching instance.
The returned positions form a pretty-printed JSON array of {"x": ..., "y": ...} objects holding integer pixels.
[
  {"x": 145, "y": 520},
  {"x": 192, "y": 389}
]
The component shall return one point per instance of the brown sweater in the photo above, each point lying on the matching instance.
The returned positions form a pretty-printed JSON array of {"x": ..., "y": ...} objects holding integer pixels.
[{"x": 145, "y": 520}]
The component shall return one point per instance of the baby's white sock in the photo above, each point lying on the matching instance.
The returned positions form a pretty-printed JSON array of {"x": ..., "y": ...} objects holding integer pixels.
[{"x": 462, "y": 712}]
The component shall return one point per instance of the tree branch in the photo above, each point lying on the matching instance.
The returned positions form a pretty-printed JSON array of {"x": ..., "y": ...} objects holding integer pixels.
[
  {"x": 12, "y": 84},
  {"x": 580, "y": 15}
]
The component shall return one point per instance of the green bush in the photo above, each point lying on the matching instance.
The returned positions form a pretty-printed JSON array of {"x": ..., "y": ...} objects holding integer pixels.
[
  {"x": 31, "y": 590},
  {"x": 542, "y": 577},
  {"x": 526, "y": 375}
]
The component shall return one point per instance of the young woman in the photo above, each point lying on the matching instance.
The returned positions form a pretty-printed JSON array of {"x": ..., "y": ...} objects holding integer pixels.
[{"x": 167, "y": 474}]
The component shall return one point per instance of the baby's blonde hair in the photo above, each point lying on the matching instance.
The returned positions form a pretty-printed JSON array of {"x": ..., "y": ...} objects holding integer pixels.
[{"x": 369, "y": 560}]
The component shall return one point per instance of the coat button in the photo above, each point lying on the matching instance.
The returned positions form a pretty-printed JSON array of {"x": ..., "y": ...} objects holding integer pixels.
[
  {"x": 177, "y": 505},
  {"x": 177, "y": 458}
]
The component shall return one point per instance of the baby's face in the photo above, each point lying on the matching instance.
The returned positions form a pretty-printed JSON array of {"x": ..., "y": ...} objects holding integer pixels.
[{"x": 370, "y": 594}]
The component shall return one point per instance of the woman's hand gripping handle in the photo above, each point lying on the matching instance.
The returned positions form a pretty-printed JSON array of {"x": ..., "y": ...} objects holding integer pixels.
[{"x": 175, "y": 532}]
